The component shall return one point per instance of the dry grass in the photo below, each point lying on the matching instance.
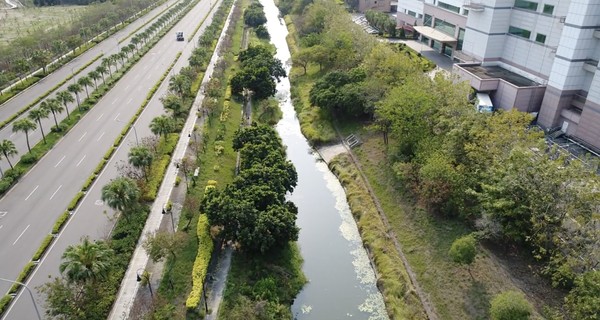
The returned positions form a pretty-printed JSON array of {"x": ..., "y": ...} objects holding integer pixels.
[{"x": 24, "y": 21}]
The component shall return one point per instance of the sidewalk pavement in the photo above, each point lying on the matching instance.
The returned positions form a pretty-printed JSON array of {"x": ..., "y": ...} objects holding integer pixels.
[
  {"x": 440, "y": 60},
  {"x": 129, "y": 285}
]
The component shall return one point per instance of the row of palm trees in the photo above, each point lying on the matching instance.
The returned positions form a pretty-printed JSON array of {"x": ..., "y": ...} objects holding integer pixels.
[{"x": 59, "y": 103}]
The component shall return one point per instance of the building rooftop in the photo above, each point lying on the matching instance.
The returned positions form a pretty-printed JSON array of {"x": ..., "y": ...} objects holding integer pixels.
[{"x": 496, "y": 72}]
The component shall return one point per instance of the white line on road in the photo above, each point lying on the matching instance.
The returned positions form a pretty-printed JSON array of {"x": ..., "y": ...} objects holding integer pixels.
[
  {"x": 13, "y": 134},
  {"x": 129, "y": 101},
  {"x": 32, "y": 192},
  {"x": 126, "y": 87},
  {"x": 100, "y": 117},
  {"x": 59, "y": 161},
  {"x": 1, "y": 226},
  {"x": 82, "y": 136},
  {"x": 55, "y": 192},
  {"x": 21, "y": 234},
  {"x": 100, "y": 137},
  {"x": 117, "y": 117},
  {"x": 115, "y": 101},
  {"x": 145, "y": 67},
  {"x": 78, "y": 163}
]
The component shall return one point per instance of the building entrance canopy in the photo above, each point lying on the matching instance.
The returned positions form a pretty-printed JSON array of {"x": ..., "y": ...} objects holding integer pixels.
[{"x": 431, "y": 33}]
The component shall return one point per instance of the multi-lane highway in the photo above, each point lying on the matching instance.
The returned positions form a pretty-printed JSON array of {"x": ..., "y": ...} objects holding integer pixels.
[
  {"x": 105, "y": 48},
  {"x": 36, "y": 201}
]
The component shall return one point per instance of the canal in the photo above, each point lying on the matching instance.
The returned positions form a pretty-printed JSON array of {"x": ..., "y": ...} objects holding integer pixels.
[{"x": 342, "y": 283}]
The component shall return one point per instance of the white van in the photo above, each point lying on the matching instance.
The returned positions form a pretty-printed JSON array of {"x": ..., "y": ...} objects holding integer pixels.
[{"x": 483, "y": 103}]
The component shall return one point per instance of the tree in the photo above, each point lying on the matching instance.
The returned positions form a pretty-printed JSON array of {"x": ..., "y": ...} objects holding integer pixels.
[
  {"x": 53, "y": 106},
  {"x": 161, "y": 125},
  {"x": 26, "y": 126},
  {"x": 174, "y": 104},
  {"x": 101, "y": 69},
  {"x": 583, "y": 302},
  {"x": 121, "y": 194},
  {"x": 463, "y": 251},
  {"x": 160, "y": 244},
  {"x": 41, "y": 58},
  {"x": 38, "y": 114},
  {"x": 340, "y": 92},
  {"x": 65, "y": 97},
  {"x": 86, "y": 262},
  {"x": 510, "y": 305},
  {"x": 94, "y": 75},
  {"x": 85, "y": 82},
  {"x": 254, "y": 15},
  {"x": 180, "y": 85},
  {"x": 75, "y": 89},
  {"x": 8, "y": 149},
  {"x": 141, "y": 158},
  {"x": 107, "y": 63},
  {"x": 21, "y": 67}
]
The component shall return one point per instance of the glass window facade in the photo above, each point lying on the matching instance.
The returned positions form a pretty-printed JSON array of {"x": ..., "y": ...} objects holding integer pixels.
[
  {"x": 461, "y": 38},
  {"x": 548, "y": 9},
  {"x": 445, "y": 27},
  {"x": 427, "y": 21},
  {"x": 448, "y": 7},
  {"x": 541, "y": 38},
  {"x": 519, "y": 32},
  {"x": 523, "y": 4}
]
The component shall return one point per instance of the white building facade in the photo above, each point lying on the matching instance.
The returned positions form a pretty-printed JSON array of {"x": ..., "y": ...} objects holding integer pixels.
[{"x": 536, "y": 56}]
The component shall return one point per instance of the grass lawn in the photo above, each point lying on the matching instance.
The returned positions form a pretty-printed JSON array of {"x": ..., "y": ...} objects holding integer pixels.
[{"x": 24, "y": 21}]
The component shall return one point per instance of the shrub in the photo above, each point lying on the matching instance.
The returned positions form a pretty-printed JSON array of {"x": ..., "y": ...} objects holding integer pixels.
[
  {"x": 47, "y": 241},
  {"x": 73, "y": 204},
  {"x": 510, "y": 305},
  {"x": 157, "y": 171},
  {"x": 60, "y": 222},
  {"x": 29, "y": 158},
  {"x": 89, "y": 182},
  {"x": 4, "y": 302},
  {"x": 22, "y": 276},
  {"x": 205, "y": 248},
  {"x": 583, "y": 302}
]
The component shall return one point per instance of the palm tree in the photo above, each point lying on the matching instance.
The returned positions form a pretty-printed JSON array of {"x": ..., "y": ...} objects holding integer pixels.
[
  {"x": 38, "y": 114},
  {"x": 86, "y": 262},
  {"x": 53, "y": 106},
  {"x": 8, "y": 149},
  {"x": 122, "y": 55},
  {"x": 132, "y": 47},
  {"x": 102, "y": 70},
  {"x": 76, "y": 89},
  {"x": 65, "y": 97},
  {"x": 121, "y": 194},
  {"x": 180, "y": 84},
  {"x": 135, "y": 40},
  {"x": 106, "y": 63},
  {"x": 161, "y": 125},
  {"x": 85, "y": 81},
  {"x": 174, "y": 104},
  {"x": 126, "y": 50},
  {"x": 24, "y": 125},
  {"x": 94, "y": 75},
  {"x": 141, "y": 158}
]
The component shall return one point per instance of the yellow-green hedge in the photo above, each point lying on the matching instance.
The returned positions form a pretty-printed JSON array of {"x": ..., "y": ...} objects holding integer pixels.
[{"x": 205, "y": 248}]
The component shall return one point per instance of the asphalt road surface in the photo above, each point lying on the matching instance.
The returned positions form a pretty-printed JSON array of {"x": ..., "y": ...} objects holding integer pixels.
[
  {"x": 34, "y": 204},
  {"x": 107, "y": 47}
]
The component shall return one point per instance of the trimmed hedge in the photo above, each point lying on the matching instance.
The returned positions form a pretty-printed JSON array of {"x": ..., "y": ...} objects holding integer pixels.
[
  {"x": 4, "y": 302},
  {"x": 60, "y": 222},
  {"x": 47, "y": 241},
  {"x": 205, "y": 249},
  {"x": 75, "y": 201},
  {"x": 22, "y": 276},
  {"x": 157, "y": 171}
]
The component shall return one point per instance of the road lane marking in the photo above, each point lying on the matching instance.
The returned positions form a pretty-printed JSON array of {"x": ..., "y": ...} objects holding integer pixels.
[
  {"x": 1, "y": 226},
  {"x": 115, "y": 101},
  {"x": 117, "y": 117},
  {"x": 59, "y": 161},
  {"x": 32, "y": 192},
  {"x": 55, "y": 192},
  {"x": 100, "y": 137},
  {"x": 82, "y": 136},
  {"x": 78, "y": 163},
  {"x": 21, "y": 234},
  {"x": 12, "y": 134},
  {"x": 128, "y": 86},
  {"x": 100, "y": 117},
  {"x": 129, "y": 101},
  {"x": 145, "y": 67}
]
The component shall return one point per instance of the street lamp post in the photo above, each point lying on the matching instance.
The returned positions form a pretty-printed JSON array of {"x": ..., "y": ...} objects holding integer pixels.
[
  {"x": 144, "y": 278},
  {"x": 170, "y": 212},
  {"x": 30, "y": 294},
  {"x": 137, "y": 142}
]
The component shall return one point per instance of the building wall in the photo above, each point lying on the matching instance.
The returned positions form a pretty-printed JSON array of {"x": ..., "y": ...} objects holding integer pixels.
[{"x": 377, "y": 5}]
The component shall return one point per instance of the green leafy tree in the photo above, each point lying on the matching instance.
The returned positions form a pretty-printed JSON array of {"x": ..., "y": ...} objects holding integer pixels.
[
  {"x": 463, "y": 251},
  {"x": 53, "y": 106},
  {"x": 340, "y": 92},
  {"x": 41, "y": 58},
  {"x": 141, "y": 158},
  {"x": 8, "y": 149},
  {"x": 38, "y": 114},
  {"x": 583, "y": 302},
  {"x": 65, "y": 97},
  {"x": 510, "y": 305},
  {"x": 75, "y": 89},
  {"x": 180, "y": 85},
  {"x": 101, "y": 69},
  {"x": 95, "y": 75},
  {"x": 162, "y": 125},
  {"x": 121, "y": 194},
  {"x": 21, "y": 67},
  {"x": 24, "y": 125},
  {"x": 254, "y": 15},
  {"x": 85, "y": 82},
  {"x": 86, "y": 262},
  {"x": 161, "y": 244},
  {"x": 174, "y": 104}
]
